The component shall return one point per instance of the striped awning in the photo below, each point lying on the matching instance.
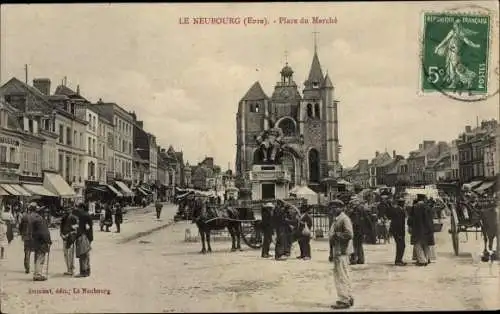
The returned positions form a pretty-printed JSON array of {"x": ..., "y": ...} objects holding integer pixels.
[
  {"x": 21, "y": 189},
  {"x": 485, "y": 186},
  {"x": 125, "y": 190},
  {"x": 38, "y": 190},
  {"x": 114, "y": 190},
  {"x": 10, "y": 190}
]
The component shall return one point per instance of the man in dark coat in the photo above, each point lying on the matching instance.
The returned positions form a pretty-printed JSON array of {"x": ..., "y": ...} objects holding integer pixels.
[
  {"x": 41, "y": 241},
  {"x": 358, "y": 217},
  {"x": 304, "y": 234},
  {"x": 84, "y": 238},
  {"x": 280, "y": 223},
  {"x": 118, "y": 216},
  {"x": 26, "y": 231},
  {"x": 158, "y": 207},
  {"x": 420, "y": 224},
  {"x": 397, "y": 229},
  {"x": 267, "y": 228},
  {"x": 68, "y": 230}
]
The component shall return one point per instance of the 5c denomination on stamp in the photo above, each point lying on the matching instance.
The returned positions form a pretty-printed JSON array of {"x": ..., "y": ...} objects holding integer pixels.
[{"x": 455, "y": 53}]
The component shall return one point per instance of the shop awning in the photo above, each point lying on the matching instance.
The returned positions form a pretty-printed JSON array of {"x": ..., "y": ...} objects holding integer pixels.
[
  {"x": 474, "y": 184},
  {"x": 125, "y": 190},
  {"x": 485, "y": 186},
  {"x": 10, "y": 190},
  {"x": 142, "y": 191},
  {"x": 56, "y": 184},
  {"x": 145, "y": 189},
  {"x": 38, "y": 190},
  {"x": 22, "y": 191},
  {"x": 114, "y": 190},
  {"x": 3, "y": 192}
]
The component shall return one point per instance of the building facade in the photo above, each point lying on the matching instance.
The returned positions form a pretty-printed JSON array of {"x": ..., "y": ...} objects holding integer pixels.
[
  {"x": 308, "y": 121},
  {"x": 90, "y": 138},
  {"x": 105, "y": 157},
  {"x": 123, "y": 140}
]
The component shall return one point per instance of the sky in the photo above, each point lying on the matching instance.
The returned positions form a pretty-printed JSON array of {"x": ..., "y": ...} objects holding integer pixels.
[{"x": 185, "y": 81}]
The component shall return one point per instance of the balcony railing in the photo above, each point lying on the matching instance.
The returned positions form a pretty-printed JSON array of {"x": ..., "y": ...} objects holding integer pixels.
[{"x": 10, "y": 165}]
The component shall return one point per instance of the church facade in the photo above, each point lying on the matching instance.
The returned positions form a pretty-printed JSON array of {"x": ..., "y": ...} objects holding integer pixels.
[{"x": 308, "y": 121}]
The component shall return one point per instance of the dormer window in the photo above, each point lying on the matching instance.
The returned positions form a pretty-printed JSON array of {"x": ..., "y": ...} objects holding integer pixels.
[
  {"x": 315, "y": 84},
  {"x": 317, "y": 112},
  {"x": 30, "y": 126}
]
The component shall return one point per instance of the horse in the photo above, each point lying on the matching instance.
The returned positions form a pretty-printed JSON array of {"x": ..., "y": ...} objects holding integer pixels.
[
  {"x": 219, "y": 218},
  {"x": 488, "y": 223}
]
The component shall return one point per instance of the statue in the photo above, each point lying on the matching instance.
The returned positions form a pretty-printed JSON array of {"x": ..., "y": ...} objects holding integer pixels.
[{"x": 270, "y": 142}]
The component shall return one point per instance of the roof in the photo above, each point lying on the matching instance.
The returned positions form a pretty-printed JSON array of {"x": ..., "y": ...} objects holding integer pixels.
[
  {"x": 394, "y": 169},
  {"x": 38, "y": 101},
  {"x": 327, "y": 82},
  {"x": 255, "y": 93},
  {"x": 315, "y": 73},
  {"x": 380, "y": 159},
  {"x": 64, "y": 90}
]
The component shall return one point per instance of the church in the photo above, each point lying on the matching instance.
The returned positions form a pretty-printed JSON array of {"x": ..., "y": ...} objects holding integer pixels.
[{"x": 308, "y": 121}]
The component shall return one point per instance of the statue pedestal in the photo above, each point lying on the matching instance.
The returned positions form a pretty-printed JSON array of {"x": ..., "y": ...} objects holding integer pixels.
[{"x": 269, "y": 182}]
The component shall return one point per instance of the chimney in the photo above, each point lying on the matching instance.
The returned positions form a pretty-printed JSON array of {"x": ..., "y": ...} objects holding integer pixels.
[
  {"x": 43, "y": 85},
  {"x": 78, "y": 90},
  {"x": 377, "y": 153},
  {"x": 394, "y": 154},
  {"x": 468, "y": 129}
]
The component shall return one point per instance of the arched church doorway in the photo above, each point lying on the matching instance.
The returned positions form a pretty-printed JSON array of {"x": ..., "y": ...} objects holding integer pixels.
[{"x": 313, "y": 159}]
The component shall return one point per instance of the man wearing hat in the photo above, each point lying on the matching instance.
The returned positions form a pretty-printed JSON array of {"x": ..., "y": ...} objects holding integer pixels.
[
  {"x": 41, "y": 241},
  {"x": 358, "y": 217},
  {"x": 397, "y": 229},
  {"x": 26, "y": 231},
  {"x": 341, "y": 234},
  {"x": 267, "y": 213},
  {"x": 84, "y": 238},
  {"x": 421, "y": 228}
]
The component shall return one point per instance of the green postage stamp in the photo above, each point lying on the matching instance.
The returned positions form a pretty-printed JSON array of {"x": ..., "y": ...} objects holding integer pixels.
[{"x": 455, "y": 53}]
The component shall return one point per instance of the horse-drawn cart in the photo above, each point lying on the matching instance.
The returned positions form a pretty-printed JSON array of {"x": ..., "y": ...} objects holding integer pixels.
[{"x": 473, "y": 215}]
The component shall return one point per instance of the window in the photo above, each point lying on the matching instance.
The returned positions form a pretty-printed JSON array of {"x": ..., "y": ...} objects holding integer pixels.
[
  {"x": 75, "y": 138},
  {"x": 68, "y": 136},
  {"x": 12, "y": 155},
  {"x": 82, "y": 143},
  {"x": 130, "y": 148},
  {"x": 61, "y": 134},
  {"x": 26, "y": 163},
  {"x": 309, "y": 111},
  {"x": 3, "y": 154},
  {"x": 93, "y": 124},
  {"x": 35, "y": 162},
  {"x": 124, "y": 146},
  {"x": 93, "y": 147},
  {"x": 317, "y": 112},
  {"x": 90, "y": 120}
]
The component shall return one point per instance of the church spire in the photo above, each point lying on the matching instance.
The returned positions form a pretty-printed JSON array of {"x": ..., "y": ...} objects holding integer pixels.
[{"x": 316, "y": 77}]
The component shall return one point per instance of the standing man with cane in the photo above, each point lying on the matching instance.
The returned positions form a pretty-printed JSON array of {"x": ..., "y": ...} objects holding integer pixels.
[
  {"x": 84, "y": 237},
  {"x": 41, "y": 243}
]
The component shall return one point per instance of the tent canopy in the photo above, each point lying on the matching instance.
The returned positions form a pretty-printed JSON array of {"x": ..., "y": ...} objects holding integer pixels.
[{"x": 305, "y": 192}]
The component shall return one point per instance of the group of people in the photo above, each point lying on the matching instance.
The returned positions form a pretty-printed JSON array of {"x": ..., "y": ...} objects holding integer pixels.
[
  {"x": 290, "y": 224},
  {"x": 346, "y": 234},
  {"x": 75, "y": 231},
  {"x": 109, "y": 210}
]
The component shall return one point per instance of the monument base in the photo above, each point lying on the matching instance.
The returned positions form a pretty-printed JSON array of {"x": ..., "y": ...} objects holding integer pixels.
[{"x": 269, "y": 182}]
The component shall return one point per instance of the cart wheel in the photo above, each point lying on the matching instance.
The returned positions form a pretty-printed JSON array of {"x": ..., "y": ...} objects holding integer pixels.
[
  {"x": 454, "y": 231},
  {"x": 251, "y": 234}
]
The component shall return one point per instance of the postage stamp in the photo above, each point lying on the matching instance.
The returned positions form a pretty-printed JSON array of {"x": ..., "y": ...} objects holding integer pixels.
[{"x": 455, "y": 53}]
